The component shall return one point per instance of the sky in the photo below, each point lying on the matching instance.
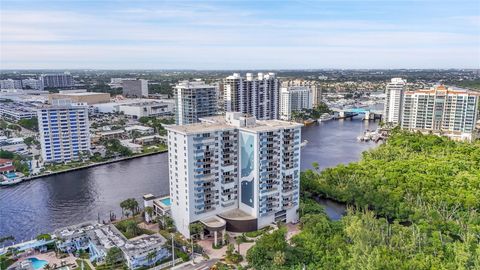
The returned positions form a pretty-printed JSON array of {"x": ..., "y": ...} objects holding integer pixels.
[{"x": 88, "y": 34}]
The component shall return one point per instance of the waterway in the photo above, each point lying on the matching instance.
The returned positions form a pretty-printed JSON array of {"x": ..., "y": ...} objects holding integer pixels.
[{"x": 48, "y": 203}]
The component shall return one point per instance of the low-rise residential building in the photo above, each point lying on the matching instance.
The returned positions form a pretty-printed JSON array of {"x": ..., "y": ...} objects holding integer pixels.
[
  {"x": 97, "y": 239},
  {"x": 6, "y": 166},
  {"x": 109, "y": 135},
  {"x": 143, "y": 130}
]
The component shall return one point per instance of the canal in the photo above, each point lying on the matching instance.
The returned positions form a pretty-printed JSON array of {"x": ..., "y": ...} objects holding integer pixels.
[{"x": 45, "y": 204}]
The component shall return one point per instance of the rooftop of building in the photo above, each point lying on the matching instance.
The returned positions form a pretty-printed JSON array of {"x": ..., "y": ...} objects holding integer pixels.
[
  {"x": 138, "y": 127},
  {"x": 80, "y": 94},
  {"x": 249, "y": 76},
  {"x": 238, "y": 121},
  {"x": 76, "y": 230},
  {"x": 236, "y": 214},
  {"x": 195, "y": 84},
  {"x": 19, "y": 107},
  {"x": 445, "y": 89}
]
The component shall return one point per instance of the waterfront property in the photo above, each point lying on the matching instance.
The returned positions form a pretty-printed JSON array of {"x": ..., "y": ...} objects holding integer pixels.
[
  {"x": 234, "y": 168},
  {"x": 441, "y": 110},
  {"x": 294, "y": 99},
  {"x": 160, "y": 206},
  {"x": 64, "y": 131},
  {"x": 392, "y": 111},
  {"x": 97, "y": 239},
  {"x": 313, "y": 86}
]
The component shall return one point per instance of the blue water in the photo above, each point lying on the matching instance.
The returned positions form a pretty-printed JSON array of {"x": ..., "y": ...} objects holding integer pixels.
[
  {"x": 53, "y": 202},
  {"x": 166, "y": 201},
  {"x": 11, "y": 175},
  {"x": 37, "y": 264}
]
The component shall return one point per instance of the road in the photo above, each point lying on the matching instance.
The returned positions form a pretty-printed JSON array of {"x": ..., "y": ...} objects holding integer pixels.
[{"x": 204, "y": 265}]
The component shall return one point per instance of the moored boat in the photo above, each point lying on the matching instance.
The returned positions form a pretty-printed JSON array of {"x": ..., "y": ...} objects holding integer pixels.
[
  {"x": 308, "y": 122},
  {"x": 325, "y": 117}
]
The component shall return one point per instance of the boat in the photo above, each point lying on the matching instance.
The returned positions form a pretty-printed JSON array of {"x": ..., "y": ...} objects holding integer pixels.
[
  {"x": 325, "y": 117},
  {"x": 304, "y": 143},
  {"x": 11, "y": 179},
  {"x": 308, "y": 122}
]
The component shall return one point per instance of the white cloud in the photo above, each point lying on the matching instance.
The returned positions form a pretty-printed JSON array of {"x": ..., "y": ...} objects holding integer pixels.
[{"x": 209, "y": 37}]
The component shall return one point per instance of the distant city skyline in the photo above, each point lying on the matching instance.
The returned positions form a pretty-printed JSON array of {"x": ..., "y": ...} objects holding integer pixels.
[{"x": 239, "y": 34}]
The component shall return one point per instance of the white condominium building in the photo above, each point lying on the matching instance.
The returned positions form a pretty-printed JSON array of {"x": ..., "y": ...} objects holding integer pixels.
[
  {"x": 294, "y": 98},
  {"x": 445, "y": 111},
  {"x": 64, "y": 131},
  {"x": 193, "y": 100},
  {"x": 393, "y": 102},
  {"x": 314, "y": 87},
  {"x": 233, "y": 172},
  {"x": 258, "y": 96}
]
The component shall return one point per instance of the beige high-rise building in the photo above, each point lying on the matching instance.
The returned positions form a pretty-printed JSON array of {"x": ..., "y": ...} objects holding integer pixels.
[{"x": 441, "y": 110}]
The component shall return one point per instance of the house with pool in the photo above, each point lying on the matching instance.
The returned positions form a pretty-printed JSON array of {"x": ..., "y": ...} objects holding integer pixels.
[{"x": 96, "y": 239}]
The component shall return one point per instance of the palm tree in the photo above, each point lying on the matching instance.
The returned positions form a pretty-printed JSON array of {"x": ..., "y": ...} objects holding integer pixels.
[
  {"x": 151, "y": 256},
  {"x": 238, "y": 241},
  {"x": 149, "y": 212},
  {"x": 47, "y": 267}
]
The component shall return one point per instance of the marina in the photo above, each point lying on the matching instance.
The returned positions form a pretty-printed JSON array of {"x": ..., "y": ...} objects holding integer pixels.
[{"x": 57, "y": 201}]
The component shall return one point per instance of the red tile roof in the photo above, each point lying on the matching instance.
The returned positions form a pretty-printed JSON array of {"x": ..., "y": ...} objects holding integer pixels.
[{"x": 7, "y": 168}]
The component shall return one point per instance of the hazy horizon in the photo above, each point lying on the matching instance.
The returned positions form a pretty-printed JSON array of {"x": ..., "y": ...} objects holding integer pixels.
[{"x": 239, "y": 35}]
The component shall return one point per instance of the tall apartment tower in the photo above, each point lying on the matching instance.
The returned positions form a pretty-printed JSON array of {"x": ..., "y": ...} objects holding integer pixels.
[
  {"x": 445, "y": 111},
  {"x": 294, "y": 98},
  {"x": 258, "y": 96},
  {"x": 234, "y": 172},
  {"x": 64, "y": 131},
  {"x": 314, "y": 87},
  {"x": 136, "y": 88},
  {"x": 57, "y": 80},
  {"x": 193, "y": 100},
  {"x": 393, "y": 101}
]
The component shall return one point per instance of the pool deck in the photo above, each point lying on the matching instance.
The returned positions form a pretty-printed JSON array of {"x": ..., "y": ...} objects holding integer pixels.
[{"x": 51, "y": 258}]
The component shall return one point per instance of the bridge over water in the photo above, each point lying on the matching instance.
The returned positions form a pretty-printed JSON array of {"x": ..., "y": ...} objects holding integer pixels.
[{"x": 369, "y": 114}]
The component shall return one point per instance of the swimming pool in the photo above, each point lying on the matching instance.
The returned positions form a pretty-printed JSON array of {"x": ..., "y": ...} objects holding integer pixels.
[
  {"x": 11, "y": 175},
  {"x": 166, "y": 201},
  {"x": 37, "y": 264}
]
